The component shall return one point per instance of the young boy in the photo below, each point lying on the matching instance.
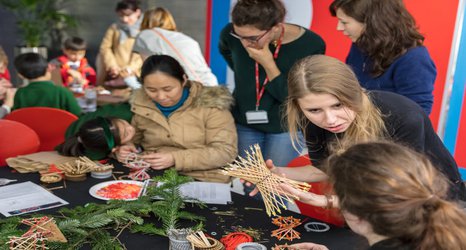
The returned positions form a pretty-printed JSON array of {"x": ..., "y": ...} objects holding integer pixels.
[
  {"x": 41, "y": 92},
  {"x": 76, "y": 73}
]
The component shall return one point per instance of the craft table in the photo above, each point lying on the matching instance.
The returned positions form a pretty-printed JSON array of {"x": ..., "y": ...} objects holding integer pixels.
[{"x": 246, "y": 212}]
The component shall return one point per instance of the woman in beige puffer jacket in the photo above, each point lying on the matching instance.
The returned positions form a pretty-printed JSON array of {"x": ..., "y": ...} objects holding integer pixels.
[{"x": 180, "y": 123}]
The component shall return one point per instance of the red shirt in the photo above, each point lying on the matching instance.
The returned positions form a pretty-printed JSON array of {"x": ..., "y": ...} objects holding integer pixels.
[{"x": 5, "y": 75}]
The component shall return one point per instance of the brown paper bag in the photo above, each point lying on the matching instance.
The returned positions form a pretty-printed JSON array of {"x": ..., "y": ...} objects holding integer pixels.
[{"x": 37, "y": 161}]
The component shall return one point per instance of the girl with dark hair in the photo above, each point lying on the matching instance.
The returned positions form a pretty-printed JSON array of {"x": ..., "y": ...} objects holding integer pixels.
[
  {"x": 395, "y": 198},
  {"x": 261, "y": 48},
  {"x": 97, "y": 138},
  {"x": 115, "y": 59},
  {"x": 181, "y": 123},
  {"x": 387, "y": 53}
]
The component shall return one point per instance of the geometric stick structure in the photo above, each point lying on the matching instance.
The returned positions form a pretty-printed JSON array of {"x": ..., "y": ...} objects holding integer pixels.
[
  {"x": 286, "y": 228},
  {"x": 253, "y": 169},
  {"x": 41, "y": 230},
  {"x": 138, "y": 167}
]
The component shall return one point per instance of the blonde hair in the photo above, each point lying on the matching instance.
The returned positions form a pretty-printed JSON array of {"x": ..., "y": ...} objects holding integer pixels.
[
  {"x": 158, "y": 18},
  {"x": 3, "y": 57},
  {"x": 321, "y": 74},
  {"x": 399, "y": 193}
]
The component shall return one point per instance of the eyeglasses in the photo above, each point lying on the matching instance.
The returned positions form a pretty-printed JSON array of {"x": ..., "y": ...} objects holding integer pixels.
[{"x": 251, "y": 39}]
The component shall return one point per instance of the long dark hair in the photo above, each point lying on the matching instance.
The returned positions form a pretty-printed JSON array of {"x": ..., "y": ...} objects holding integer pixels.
[
  {"x": 399, "y": 193},
  {"x": 98, "y": 135},
  {"x": 162, "y": 63},
  {"x": 262, "y": 14},
  {"x": 390, "y": 30}
]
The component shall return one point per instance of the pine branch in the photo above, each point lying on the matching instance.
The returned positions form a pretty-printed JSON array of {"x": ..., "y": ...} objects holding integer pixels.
[{"x": 148, "y": 229}]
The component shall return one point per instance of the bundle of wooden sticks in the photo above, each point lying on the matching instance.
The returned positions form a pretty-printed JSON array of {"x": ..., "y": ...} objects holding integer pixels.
[
  {"x": 253, "y": 169},
  {"x": 200, "y": 241},
  {"x": 83, "y": 165}
]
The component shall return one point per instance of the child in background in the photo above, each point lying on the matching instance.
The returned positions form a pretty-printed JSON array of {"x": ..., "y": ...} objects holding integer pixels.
[
  {"x": 7, "y": 93},
  {"x": 75, "y": 71},
  {"x": 41, "y": 92},
  {"x": 4, "y": 73}
]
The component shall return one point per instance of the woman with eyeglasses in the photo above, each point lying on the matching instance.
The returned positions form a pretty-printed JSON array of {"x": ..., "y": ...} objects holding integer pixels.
[
  {"x": 115, "y": 60},
  {"x": 261, "y": 48}
]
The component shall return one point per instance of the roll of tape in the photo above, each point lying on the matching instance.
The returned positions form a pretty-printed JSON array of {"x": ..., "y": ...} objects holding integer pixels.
[{"x": 250, "y": 246}]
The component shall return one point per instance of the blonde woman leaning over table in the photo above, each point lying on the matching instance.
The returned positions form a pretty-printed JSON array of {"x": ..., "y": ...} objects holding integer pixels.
[
  {"x": 181, "y": 123},
  {"x": 327, "y": 103},
  {"x": 159, "y": 36},
  {"x": 395, "y": 198}
]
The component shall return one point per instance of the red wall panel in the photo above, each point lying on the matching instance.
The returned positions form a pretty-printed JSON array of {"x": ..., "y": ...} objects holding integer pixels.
[{"x": 436, "y": 20}]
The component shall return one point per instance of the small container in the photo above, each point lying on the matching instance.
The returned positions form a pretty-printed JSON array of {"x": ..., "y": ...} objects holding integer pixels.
[
  {"x": 102, "y": 174},
  {"x": 75, "y": 177},
  {"x": 51, "y": 178},
  {"x": 250, "y": 246},
  {"x": 90, "y": 98}
]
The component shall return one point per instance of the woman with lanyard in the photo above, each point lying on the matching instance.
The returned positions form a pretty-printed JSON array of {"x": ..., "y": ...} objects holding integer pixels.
[{"x": 261, "y": 48}]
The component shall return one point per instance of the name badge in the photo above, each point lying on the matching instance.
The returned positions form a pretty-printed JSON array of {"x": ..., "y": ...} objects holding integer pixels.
[{"x": 257, "y": 117}]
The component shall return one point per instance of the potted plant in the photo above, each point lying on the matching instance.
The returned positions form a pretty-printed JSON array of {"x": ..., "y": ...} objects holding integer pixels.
[
  {"x": 39, "y": 22},
  {"x": 170, "y": 210}
]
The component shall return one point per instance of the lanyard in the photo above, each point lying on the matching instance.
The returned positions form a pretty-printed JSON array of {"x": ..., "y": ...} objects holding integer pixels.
[{"x": 260, "y": 91}]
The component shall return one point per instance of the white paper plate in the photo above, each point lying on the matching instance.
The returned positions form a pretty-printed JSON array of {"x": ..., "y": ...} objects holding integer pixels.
[{"x": 93, "y": 190}]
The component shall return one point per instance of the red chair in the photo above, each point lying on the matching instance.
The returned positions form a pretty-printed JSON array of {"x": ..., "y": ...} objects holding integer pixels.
[
  {"x": 16, "y": 139},
  {"x": 332, "y": 216},
  {"x": 49, "y": 123}
]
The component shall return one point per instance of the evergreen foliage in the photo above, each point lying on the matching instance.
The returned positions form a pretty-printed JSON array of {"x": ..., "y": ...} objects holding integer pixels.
[{"x": 97, "y": 224}]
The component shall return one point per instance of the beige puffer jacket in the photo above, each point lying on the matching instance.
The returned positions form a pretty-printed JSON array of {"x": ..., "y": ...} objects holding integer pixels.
[
  {"x": 201, "y": 134},
  {"x": 116, "y": 54}
]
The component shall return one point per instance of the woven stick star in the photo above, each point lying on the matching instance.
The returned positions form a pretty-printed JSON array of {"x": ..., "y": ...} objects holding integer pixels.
[
  {"x": 285, "y": 230},
  {"x": 138, "y": 167},
  {"x": 41, "y": 230},
  {"x": 253, "y": 169}
]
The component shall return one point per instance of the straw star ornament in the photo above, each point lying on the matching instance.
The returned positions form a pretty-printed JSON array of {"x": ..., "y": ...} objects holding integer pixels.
[{"x": 253, "y": 169}]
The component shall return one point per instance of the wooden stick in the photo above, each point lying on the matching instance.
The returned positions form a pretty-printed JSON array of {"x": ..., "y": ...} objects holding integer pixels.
[{"x": 55, "y": 188}]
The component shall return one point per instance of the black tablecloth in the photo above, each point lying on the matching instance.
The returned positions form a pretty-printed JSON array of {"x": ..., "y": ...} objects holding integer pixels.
[{"x": 247, "y": 213}]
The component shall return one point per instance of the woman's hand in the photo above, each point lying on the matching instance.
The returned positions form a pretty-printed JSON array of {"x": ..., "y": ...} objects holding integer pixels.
[
  {"x": 263, "y": 55},
  {"x": 272, "y": 168},
  {"x": 306, "y": 197},
  {"x": 307, "y": 246},
  {"x": 159, "y": 161},
  {"x": 123, "y": 151}
]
